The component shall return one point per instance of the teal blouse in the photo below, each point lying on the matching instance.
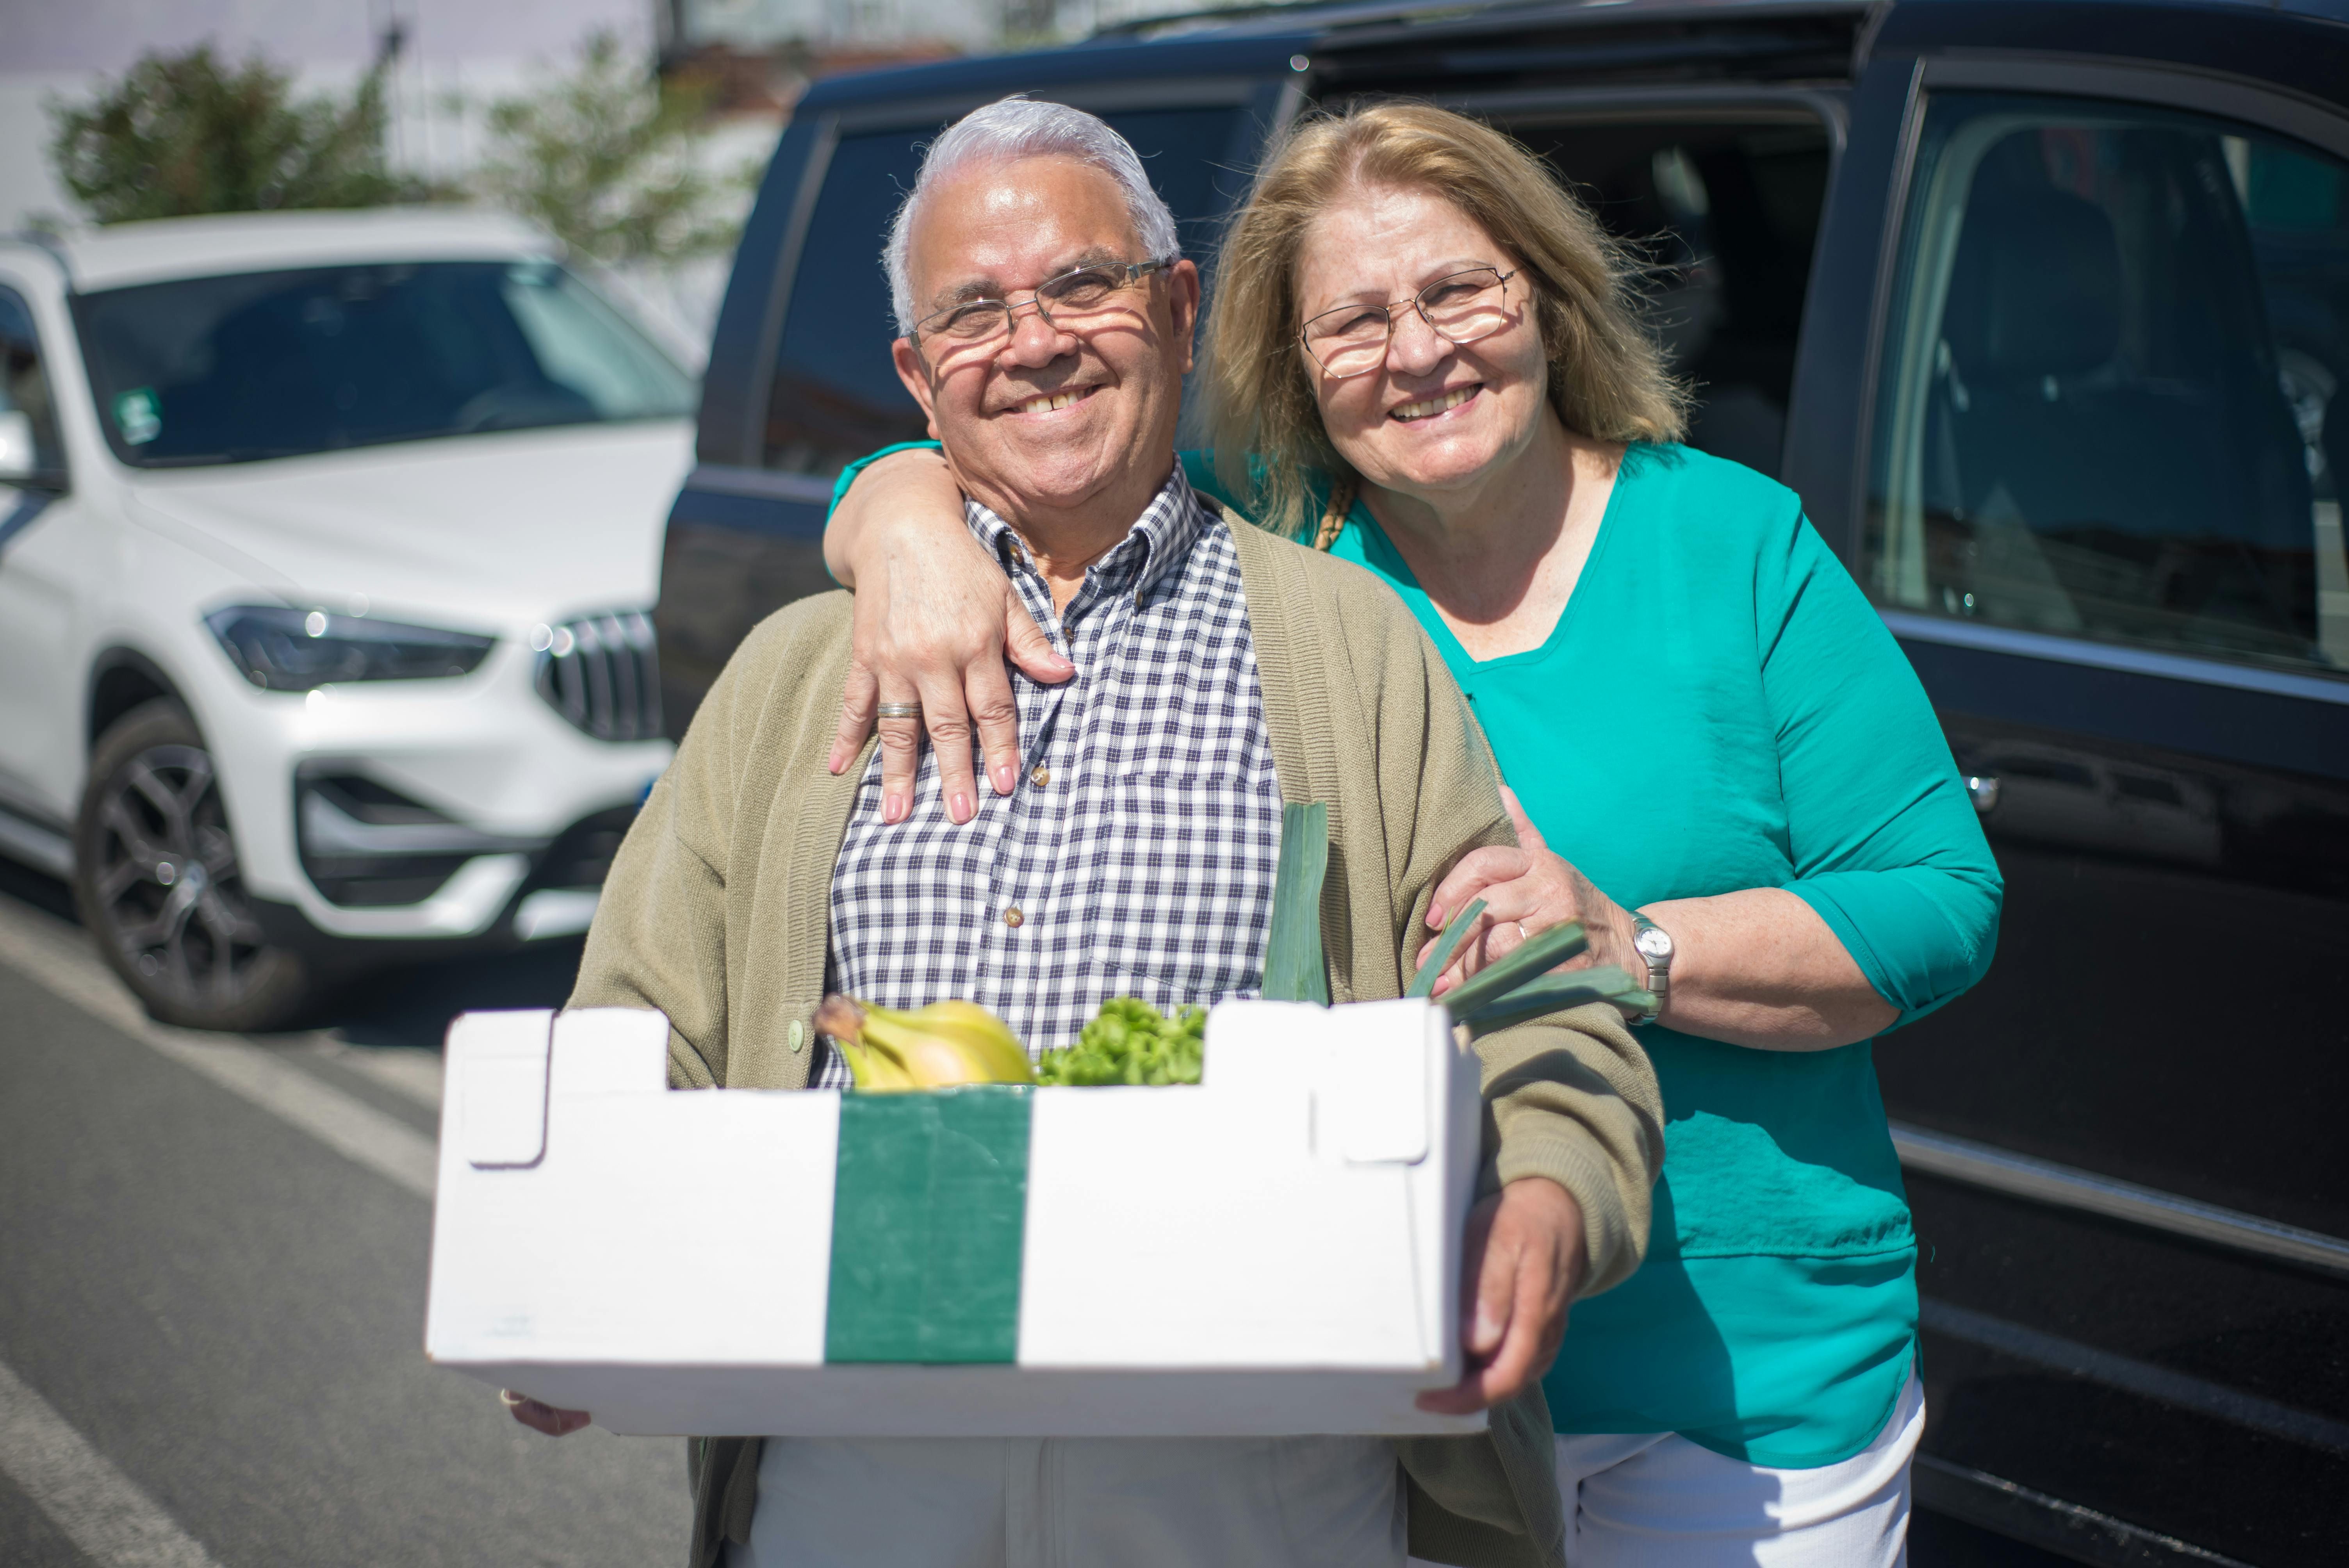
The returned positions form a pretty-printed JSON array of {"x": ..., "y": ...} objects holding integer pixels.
[{"x": 1719, "y": 707}]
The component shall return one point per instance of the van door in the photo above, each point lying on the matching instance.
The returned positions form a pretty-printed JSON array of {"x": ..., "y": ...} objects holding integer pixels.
[{"x": 2103, "y": 517}]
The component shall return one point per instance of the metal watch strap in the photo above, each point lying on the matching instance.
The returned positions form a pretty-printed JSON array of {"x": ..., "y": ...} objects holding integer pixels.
[{"x": 1659, "y": 974}]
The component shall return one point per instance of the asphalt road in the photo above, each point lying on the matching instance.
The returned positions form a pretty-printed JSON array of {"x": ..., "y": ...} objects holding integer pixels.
[
  {"x": 231, "y": 1312},
  {"x": 212, "y": 1259}
]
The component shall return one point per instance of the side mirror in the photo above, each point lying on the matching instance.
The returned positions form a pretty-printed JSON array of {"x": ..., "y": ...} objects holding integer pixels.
[{"x": 20, "y": 456}]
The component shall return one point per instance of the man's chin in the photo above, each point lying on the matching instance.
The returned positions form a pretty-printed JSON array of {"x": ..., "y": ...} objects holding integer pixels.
[{"x": 1050, "y": 472}]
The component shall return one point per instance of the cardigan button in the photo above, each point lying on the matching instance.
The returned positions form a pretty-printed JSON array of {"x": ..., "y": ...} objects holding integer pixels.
[{"x": 796, "y": 1035}]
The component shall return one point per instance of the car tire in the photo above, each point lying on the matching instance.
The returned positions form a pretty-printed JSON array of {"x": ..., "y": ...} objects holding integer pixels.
[{"x": 157, "y": 881}]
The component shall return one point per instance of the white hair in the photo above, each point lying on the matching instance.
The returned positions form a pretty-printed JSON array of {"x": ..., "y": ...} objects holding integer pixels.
[{"x": 1015, "y": 128}]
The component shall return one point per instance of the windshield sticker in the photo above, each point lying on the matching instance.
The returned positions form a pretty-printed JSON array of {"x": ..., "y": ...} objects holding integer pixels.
[{"x": 138, "y": 416}]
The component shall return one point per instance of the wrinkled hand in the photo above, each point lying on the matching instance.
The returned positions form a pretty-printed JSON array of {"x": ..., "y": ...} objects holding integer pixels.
[
  {"x": 1523, "y": 1261},
  {"x": 540, "y": 1417},
  {"x": 935, "y": 620},
  {"x": 1526, "y": 890}
]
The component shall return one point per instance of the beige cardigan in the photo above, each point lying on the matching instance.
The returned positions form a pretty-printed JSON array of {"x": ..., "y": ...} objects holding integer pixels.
[{"x": 717, "y": 908}]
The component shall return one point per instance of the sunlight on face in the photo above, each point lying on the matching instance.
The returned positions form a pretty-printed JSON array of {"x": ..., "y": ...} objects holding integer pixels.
[
  {"x": 1044, "y": 417},
  {"x": 1434, "y": 416}
]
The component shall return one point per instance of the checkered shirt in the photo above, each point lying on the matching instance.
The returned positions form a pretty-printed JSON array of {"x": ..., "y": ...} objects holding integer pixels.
[{"x": 1137, "y": 856}]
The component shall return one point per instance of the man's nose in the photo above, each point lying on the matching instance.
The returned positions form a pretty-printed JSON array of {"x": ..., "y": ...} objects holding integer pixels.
[
  {"x": 1416, "y": 347},
  {"x": 1035, "y": 341}
]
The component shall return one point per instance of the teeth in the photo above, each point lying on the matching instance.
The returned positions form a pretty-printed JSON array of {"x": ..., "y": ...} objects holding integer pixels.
[
  {"x": 1433, "y": 404},
  {"x": 1049, "y": 402}
]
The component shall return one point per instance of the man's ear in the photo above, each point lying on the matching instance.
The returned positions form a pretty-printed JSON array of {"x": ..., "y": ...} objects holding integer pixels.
[
  {"x": 915, "y": 372},
  {"x": 1182, "y": 307}
]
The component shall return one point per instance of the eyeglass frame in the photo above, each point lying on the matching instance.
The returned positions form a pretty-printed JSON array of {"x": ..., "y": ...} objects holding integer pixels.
[
  {"x": 1416, "y": 302},
  {"x": 1135, "y": 272}
]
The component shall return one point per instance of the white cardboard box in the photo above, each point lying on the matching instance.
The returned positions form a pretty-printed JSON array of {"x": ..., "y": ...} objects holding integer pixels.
[{"x": 1275, "y": 1252}]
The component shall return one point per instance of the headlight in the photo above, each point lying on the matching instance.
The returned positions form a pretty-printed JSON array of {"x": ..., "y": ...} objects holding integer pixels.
[{"x": 294, "y": 650}]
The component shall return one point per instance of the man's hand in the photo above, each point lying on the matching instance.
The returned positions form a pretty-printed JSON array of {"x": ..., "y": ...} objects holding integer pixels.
[
  {"x": 1523, "y": 1261},
  {"x": 540, "y": 1417}
]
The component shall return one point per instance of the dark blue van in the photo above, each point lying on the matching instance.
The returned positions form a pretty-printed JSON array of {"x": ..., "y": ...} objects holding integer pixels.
[{"x": 2040, "y": 304}]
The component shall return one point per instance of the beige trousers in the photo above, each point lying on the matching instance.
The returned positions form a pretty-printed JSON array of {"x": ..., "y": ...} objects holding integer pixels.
[{"x": 1071, "y": 1503}]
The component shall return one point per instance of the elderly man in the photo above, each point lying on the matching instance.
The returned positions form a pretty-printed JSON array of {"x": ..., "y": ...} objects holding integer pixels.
[{"x": 1047, "y": 317}]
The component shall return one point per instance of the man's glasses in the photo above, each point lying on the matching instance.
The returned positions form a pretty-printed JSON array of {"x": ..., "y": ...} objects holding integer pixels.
[
  {"x": 1073, "y": 299},
  {"x": 1459, "y": 307}
]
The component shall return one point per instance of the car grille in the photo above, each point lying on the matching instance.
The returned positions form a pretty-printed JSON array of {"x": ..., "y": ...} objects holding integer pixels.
[{"x": 602, "y": 672}]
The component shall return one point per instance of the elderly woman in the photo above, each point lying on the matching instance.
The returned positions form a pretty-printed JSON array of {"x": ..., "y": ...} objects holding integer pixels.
[{"x": 1428, "y": 358}]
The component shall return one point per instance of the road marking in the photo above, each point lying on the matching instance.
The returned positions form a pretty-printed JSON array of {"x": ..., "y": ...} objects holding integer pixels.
[
  {"x": 409, "y": 1071},
  {"x": 101, "y": 1509},
  {"x": 57, "y": 957}
]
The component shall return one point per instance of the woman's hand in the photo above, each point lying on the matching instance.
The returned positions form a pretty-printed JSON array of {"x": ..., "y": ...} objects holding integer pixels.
[
  {"x": 539, "y": 1418},
  {"x": 934, "y": 621},
  {"x": 1758, "y": 967},
  {"x": 1522, "y": 1264},
  {"x": 1526, "y": 890}
]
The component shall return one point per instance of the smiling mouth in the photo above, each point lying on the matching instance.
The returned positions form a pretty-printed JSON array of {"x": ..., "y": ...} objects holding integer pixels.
[
  {"x": 1430, "y": 408},
  {"x": 1050, "y": 402}
]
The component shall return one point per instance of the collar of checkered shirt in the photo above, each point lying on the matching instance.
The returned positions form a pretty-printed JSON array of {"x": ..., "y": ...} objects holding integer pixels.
[{"x": 1158, "y": 539}]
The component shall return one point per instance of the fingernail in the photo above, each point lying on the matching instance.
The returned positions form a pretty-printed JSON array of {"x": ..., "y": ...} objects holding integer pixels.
[
  {"x": 892, "y": 807},
  {"x": 1435, "y": 915},
  {"x": 1007, "y": 778},
  {"x": 961, "y": 807}
]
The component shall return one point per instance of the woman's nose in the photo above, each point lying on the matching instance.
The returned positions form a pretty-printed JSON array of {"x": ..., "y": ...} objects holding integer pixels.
[{"x": 1415, "y": 348}]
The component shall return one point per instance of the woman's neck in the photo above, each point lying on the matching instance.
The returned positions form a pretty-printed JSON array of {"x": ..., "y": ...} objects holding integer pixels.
[{"x": 1500, "y": 558}]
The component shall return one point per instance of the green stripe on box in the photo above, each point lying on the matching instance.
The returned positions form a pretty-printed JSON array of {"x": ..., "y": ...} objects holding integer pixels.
[{"x": 929, "y": 1209}]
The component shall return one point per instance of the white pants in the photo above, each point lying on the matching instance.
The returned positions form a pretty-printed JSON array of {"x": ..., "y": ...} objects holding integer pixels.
[
  {"x": 1131, "y": 1502},
  {"x": 1661, "y": 1502}
]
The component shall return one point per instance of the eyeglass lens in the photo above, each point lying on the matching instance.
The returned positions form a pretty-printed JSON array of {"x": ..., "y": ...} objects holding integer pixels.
[
  {"x": 1071, "y": 299},
  {"x": 1460, "y": 308}
]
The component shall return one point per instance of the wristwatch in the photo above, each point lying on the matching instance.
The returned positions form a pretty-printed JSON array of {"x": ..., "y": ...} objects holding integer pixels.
[{"x": 1654, "y": 944}]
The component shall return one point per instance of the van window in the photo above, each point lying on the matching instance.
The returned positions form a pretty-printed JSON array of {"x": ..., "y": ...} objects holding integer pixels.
[
  {"x": 835, "y": 395},
  {"x": 1726, "y": 215},
  {"x": 2104, "y": 405}
]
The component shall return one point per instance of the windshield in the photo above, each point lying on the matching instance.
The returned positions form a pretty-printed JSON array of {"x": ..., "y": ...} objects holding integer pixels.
[{"x": 275, "y": 364}]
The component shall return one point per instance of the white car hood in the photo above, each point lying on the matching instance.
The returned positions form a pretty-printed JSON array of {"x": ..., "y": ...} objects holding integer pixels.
[{"x": 482, "y": 532}]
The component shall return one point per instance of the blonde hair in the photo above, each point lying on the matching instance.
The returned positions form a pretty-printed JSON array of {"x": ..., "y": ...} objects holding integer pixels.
[{"x": 1606, "y": 374}]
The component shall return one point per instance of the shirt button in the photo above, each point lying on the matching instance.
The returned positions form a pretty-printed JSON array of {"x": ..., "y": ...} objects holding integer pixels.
[
  {"x": 1039, "y": 776},
  {"x": 1013, "y": 916}
]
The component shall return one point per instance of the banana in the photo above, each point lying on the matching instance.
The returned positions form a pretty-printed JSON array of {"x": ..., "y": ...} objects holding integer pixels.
[{"x": 942, "y": 1045}]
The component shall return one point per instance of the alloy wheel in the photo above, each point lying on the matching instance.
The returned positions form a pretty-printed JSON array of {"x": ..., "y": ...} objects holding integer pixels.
[{"x": 163, "y": 880}]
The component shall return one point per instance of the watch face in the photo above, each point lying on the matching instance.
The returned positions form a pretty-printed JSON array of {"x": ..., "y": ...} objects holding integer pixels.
[{"x": 1652, "y": 943}]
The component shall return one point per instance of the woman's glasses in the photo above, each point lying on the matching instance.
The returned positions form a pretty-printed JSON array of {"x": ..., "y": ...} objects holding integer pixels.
[
  {"x": 1071, "y": 301},
  {"x": 1459, "y": 307}
]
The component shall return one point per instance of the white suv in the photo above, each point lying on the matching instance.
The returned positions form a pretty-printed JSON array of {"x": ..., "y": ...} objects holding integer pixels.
[{"x": 327, "y": 543}]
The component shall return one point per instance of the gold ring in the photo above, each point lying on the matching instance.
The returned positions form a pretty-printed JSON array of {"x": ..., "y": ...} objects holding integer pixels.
[{"x": 899, "y": 709}]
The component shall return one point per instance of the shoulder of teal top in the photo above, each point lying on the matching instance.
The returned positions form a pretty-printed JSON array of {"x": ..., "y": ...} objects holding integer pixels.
[
  {"x": 848, "y": 475},
  {"x": 1887, "y": 847},
  {"x": 1199, "y": 468}
]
